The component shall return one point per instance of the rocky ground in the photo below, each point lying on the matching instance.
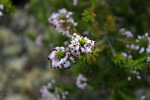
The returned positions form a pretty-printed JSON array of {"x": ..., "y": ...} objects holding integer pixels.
[{"x": 24, "y": 67}]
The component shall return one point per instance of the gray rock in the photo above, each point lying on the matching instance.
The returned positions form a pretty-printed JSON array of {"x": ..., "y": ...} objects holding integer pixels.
[
  {"x": 17, "y": 64},
  {"x": 20, "y": 21},
  {"x": 7, "y": 36},
  {"x": 11, "y": 50},
  {"x": 16, "y": 97}
]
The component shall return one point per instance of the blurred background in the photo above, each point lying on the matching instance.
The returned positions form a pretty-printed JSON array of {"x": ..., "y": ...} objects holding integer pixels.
[{"x": 26, "y": 40}]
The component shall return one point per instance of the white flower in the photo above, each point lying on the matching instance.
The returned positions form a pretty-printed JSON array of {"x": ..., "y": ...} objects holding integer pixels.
[
  {"x": 1, "y": 14},
  {"x": 148, "y": 59},
  {"x": 44, "y": 92},
  {"x": 139, "y": 37},
  {"x": 124, "y": 54},
  {"x": 138, "y": 77},
  {"x": 75, "y": 2},
  {"x": 146, "y": 34},
  {"x": 128, "y": 34},
  {"x": 64, "y": 94},
  {"x": 129, "y": 78},
  {"x": 59, "y": 58},
  {"x": 39, "y": 41},
  {"x": 62, "y": 21},
  {"x": 1, "y": 7},
  {"x": 148, "y": 49},
  {"x": 143, "y": 97},
  {"x": 81, "y": 81},
  {"x": 57, "y": 97},
  {"x": 80, "y": 45},
  {"x": 141, "y": 50}
]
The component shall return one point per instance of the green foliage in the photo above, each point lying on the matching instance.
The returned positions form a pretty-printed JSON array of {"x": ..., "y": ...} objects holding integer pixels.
[
  {"x": 8, "y": 7},
  {"x": 104, "y": 69},
  {"x": 129, "y": 64},
  {"x": 110, "y": 24}
]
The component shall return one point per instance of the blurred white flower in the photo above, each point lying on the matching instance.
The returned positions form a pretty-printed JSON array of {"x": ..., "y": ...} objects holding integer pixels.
[
  {"x": 1, "y": 7},
  {"x": 81, "y": 81},
  {"x": 75, "y": 2},
  {"x": 148, "y": 59},
  {"x": 142, "y": 50},
  {"x": 129, "y": 78},
  {"x": 143, "y": 97},
  {"x": 1, "y": 14},
  {"x": 44, "y": 92}
]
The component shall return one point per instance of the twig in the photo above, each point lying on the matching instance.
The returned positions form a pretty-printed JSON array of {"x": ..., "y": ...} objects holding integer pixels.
[
  {"x": 111, "y": 47},
  {"x": 100, "y": 42}
]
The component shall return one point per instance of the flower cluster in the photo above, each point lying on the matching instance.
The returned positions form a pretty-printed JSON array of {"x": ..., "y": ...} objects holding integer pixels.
[
  {"x": 49, "y": 91},
  {"x": 128, "y": 56},
  {"x": 138, "y": 46},
  {"x": 62, "y": 21},
  {"x": 1, "y": 8},
  {"x": 62, "y": 57},
  {"x": 45, "y": 89},
  {"x": 81, "y": 81},
  {"x": 142, "y": 38},
  {"x": 135, "y": 72},
  {"x": 128, "y": 34},
  {"x": 80, "y": 45},
  {"x": 59, "y": 58}
]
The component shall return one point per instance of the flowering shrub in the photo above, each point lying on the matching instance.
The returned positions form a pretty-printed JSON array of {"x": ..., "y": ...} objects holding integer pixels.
[
  {"x": 86, "y": 55},
  {"x": 94, "y": 47}
]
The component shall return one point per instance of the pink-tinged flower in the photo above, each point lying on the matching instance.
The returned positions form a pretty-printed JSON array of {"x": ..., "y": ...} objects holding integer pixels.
[
  {"x": 62, "y": 21},
  {"x": 75, "y": 2},
  {"x": 44, "y": 92},
  {"x": 57, "y": 97},
  {"x": 80, "y": 45},
  {"x": 59, "y": 58},
  {"x": 148, "y": 59},
  {"x": 39, "y": 41},
  {"x": 81, "y": 81}
]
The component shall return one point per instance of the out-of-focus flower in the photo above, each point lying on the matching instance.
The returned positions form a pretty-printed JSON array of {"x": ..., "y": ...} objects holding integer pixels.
[
  {"x": 81, "y": 81},
  {"x": 51, "y": 92},
  {"x": 75, "y": 2},
  {"x": 44, "y": 92},
  {"x": 148, "y": 59},
  {"x": 128, "y": 56},
  {"x": 141, "y": 50},
  {"x": 57, "y": 97},
  {"x": 129, "y": 78},
  {"x": 39, "y": 41},
  {"x": 1, "y": 14},
  {"x": 62, "y": 21},
  {"x": 1, "y": 7},
  {"x": 64, "y": 94},
  {"x": 128, "y": 34},
  {"x": 143, "y": 97},
  {"x": 59, "y": 58},
  {"x": 80, "y": 45}
]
